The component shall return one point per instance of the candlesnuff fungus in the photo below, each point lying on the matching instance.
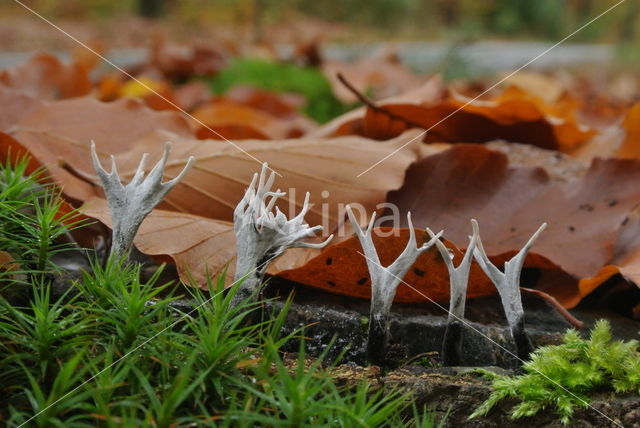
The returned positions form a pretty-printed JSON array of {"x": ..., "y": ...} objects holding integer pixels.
[
  {"x": 458, "y": 279},
  {"x": 384, "y": 282},
  {"x": 508, "y": 285},
  {"x": 130, "y": 204},
  {"x": 262, "y": 235}
]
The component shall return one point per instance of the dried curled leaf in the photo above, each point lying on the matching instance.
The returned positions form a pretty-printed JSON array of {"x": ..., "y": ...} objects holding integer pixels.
[{"x": 513, "y": 115}]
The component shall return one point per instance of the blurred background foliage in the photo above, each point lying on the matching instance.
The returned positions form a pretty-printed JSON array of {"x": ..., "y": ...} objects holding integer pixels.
[{"x": 419, "y": 19}]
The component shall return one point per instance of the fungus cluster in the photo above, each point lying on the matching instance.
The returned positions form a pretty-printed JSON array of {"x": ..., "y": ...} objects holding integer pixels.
[
  {"x": 385, "y": 280},
  {"x": 263, "y": 233}
]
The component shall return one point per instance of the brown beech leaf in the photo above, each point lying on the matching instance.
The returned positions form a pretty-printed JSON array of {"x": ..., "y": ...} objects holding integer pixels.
[
  {"x": 194, "y": 243},
  {"x": 45, "y": 77},
  {"x": 350, "y": 123},
  {"x": 513, "y": 115},
  {"x": 200, "y": 247},
  {"x": 155, "y": 93},
  {"x": 626, "y": 258},
  {"x": 342, "y": 269},
  {"x": 382, "y": 75},
  {"x": 327, "y": 168},
  {"x": 181, "y": 62},
  {"x": 191, "y": 95},
  {"x": 585, "y": 214},
  {"x": 59, "y": 134},
  {"x": 87, "y": 59},
  {"x": 15, "y": 106},
  {"x": 225, "y": 119},
  {"x": 282, "y": 105}
]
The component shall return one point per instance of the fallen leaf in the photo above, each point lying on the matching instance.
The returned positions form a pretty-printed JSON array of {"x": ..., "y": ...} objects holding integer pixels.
[
  {"x": 342, "y": 269},
  {"x": 141, "y": 87},
  {"x": 604, "y": 145},
  {"x": 9, "y": 268},
  {"x": 350, "y": 123},
  {"x": 626, "y": 257},
  {"x": 15, "y": 106},
  {"x": 281, "y": 105},
  {"x": 45, "y": 77},
  {"x": 156, "y": 94},
  {"x": 445, "y": 190},
  {"x": 546, "y": 87},
  {"x": 224, "y": 119},
  {"x": 191, "y": 95},
  {"x": 108, "y": 86},
  {"x": 324, "y": 167},
  {"x": 559, "y": 166},
  {"x": 179, "y": 62},
  {"x": 630, "y": 147},
  {"x": 58, "y": 134},
  {"x": 382, "y": 75},
  {"x": 513, "y": 116},
  {"x": 87, "y": 59},
  {"x": 197, "y": 245}
]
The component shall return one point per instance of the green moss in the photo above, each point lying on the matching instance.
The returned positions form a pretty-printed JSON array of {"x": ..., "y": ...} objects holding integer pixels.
[
  {"x": 563, "y": 376},
  {"x": 322, "y": 105},
  {"x": 114, "y": 350}
]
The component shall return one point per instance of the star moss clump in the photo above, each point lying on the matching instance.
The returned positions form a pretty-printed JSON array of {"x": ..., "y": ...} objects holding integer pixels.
[{"x": 563, "y": 376}]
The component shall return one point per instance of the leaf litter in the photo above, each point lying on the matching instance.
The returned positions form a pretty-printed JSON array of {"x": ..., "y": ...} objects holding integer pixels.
[{"x": 560, "y": 159}]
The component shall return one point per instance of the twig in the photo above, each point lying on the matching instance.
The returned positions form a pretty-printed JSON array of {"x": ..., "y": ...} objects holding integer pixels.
[
  {"x": 372, "y": 105},
  {"x": 556, "y": 305}
]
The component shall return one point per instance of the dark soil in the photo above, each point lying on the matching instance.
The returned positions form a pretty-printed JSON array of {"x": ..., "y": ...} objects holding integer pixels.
[
  {"x": 456, "y": 395},
  {"x": 413, "y": 356}
]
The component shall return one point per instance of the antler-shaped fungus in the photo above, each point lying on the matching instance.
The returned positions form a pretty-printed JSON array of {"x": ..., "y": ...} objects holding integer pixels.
[
  {"x": 458, "y": 280},
  {"x": 508, "y": 285},
  {"x": 130, "y": 204},
  {"x": 384, "y": 282},
  {"x": 263, "y": 235}
]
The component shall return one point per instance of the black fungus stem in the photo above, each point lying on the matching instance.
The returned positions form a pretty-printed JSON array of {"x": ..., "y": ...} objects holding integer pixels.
[
  {"x": 378, "y": 339},
  {"x": 523, "y": 345},
  {"x": 452, "y": 344}
]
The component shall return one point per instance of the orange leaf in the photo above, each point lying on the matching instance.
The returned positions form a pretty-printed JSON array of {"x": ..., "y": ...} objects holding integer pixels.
[
  {"x": 235, "y": 121},
  {"x": 342, "y": 269},
  {"x": 630, "y": 147}
]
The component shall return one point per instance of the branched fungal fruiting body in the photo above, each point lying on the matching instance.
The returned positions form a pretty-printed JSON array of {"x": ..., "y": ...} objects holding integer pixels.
[
  {"x": 508, "y": 285},
  {"x": 130, "y": 204},
  {"x": 384, "y": 282},
  {"x": 458, "y": 280},
  {"x": 263, "y": 235}
]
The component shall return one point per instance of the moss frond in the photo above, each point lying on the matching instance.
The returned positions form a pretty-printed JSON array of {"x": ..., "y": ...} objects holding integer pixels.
[{"x": 563, "y": 376}]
